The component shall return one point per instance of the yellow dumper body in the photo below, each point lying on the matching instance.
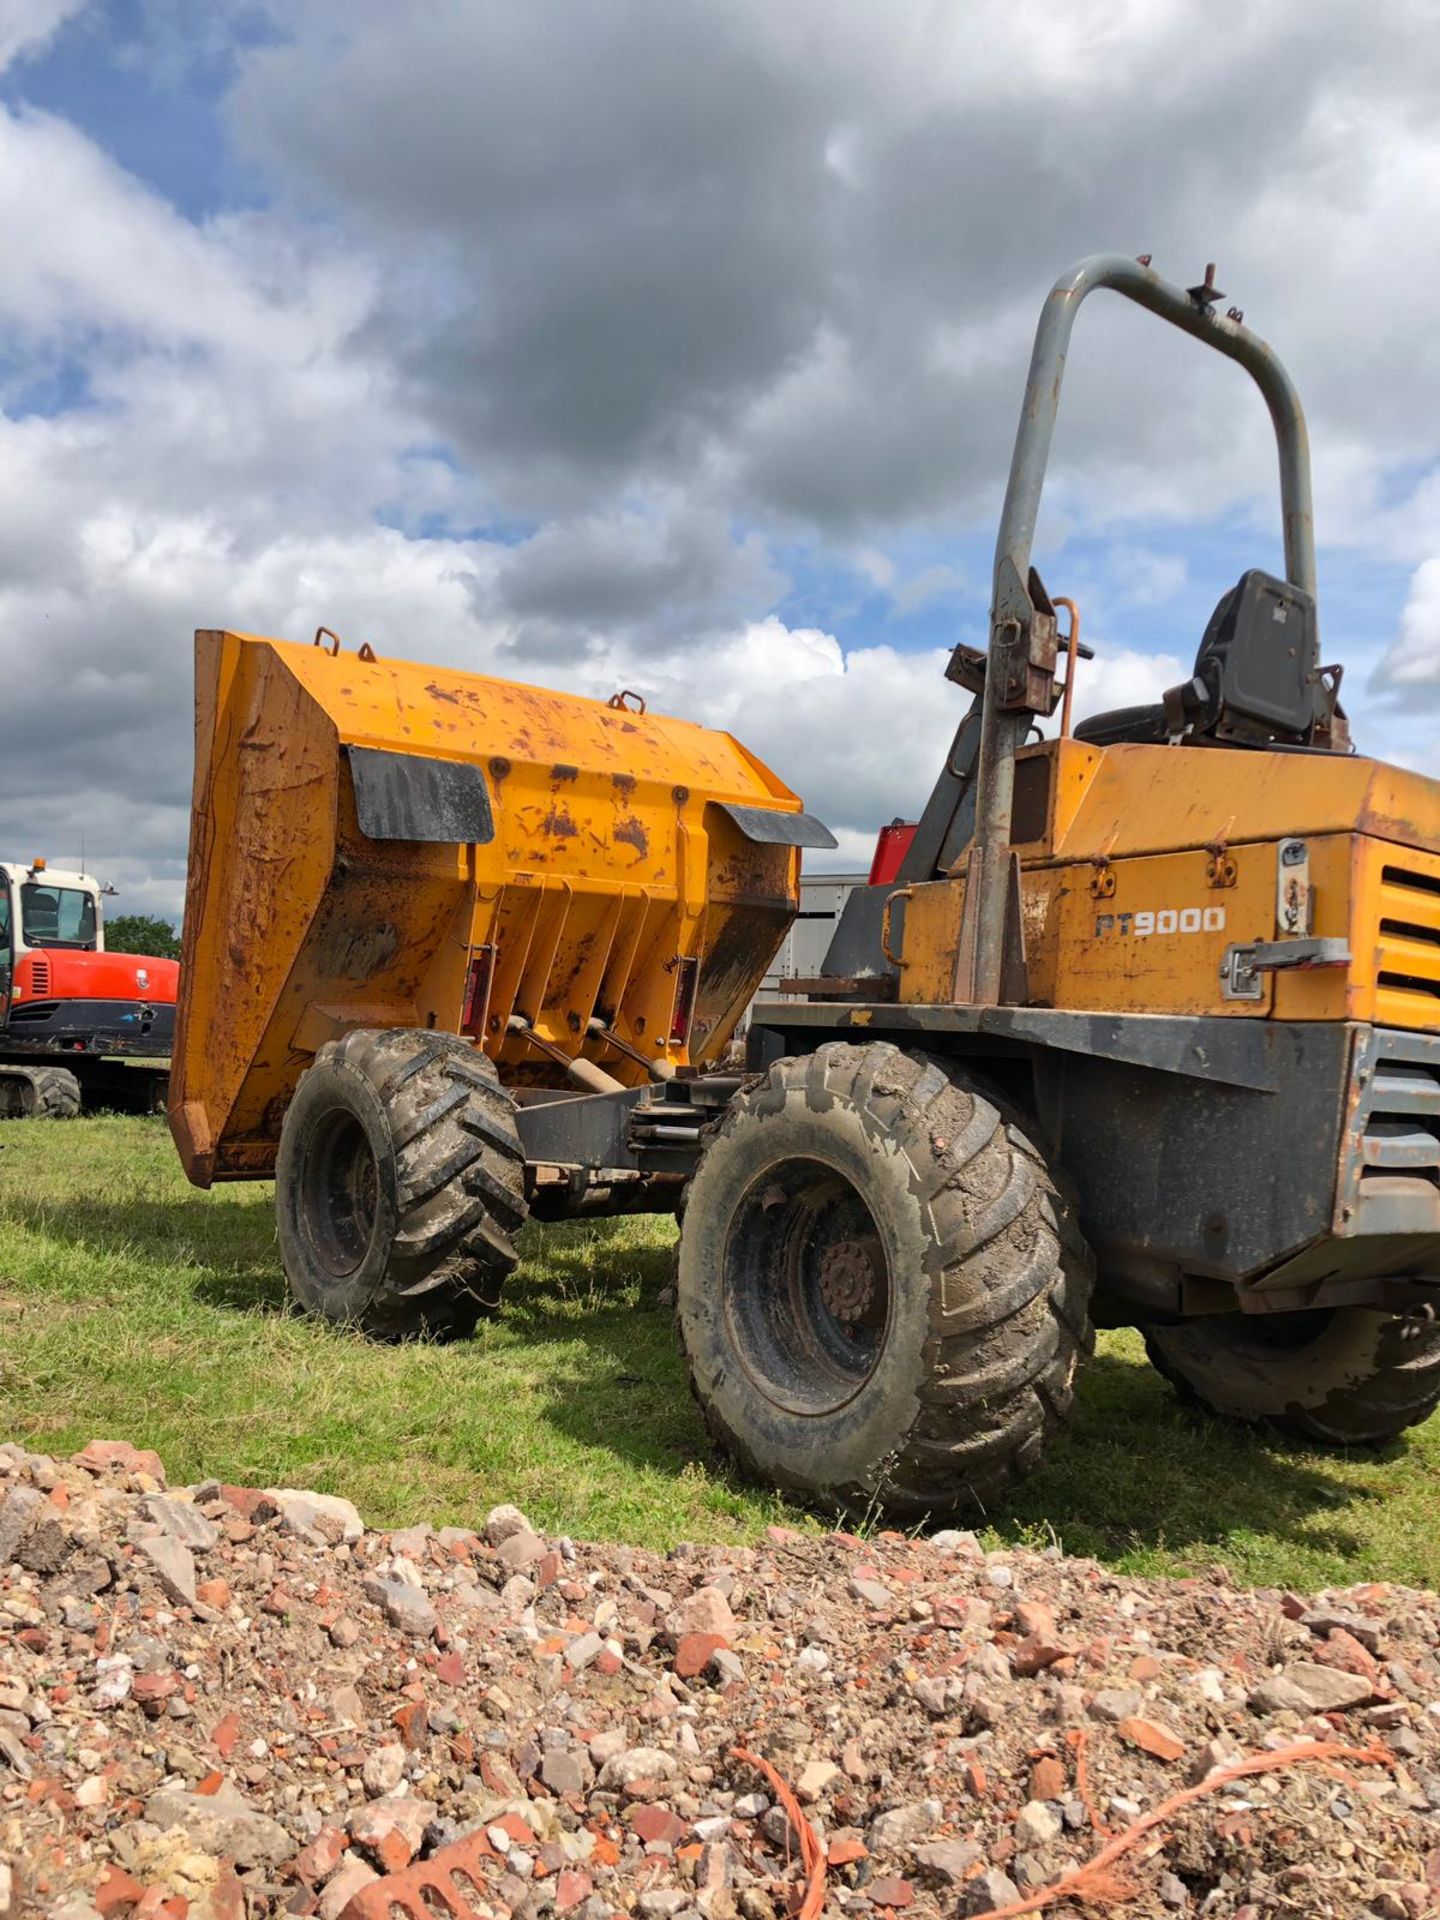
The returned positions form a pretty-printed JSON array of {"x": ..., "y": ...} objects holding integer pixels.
[{"x": 380, "y": 844}]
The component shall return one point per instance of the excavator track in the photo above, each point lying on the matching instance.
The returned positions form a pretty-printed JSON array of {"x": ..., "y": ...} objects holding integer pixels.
[{"x": 39, "y": 1093}]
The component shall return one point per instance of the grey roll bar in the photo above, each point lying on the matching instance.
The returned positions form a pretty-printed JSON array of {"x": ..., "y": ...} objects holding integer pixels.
[{"x": 1005, "y": 725}]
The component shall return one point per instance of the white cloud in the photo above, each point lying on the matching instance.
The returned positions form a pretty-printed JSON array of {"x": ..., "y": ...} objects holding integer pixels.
[
  {"x": 1412, "y": 666},
  {"x": 27, "y": 25},
  {"x": 671, "y": 303}
]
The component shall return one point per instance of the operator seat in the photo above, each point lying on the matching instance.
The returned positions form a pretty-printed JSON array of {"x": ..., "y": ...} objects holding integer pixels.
[
  {"x": 42, "y": 917},
  {"x": 1257, "y": 679}
]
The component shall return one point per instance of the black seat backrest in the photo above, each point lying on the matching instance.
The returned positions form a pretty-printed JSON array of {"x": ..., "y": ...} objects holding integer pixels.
[
  {"x": 1256, "y": 665},
  {"x": 1256, "y": 677}
]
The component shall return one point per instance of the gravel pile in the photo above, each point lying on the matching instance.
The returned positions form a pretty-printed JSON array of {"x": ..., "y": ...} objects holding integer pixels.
[{"x": 219, "y": 1702}]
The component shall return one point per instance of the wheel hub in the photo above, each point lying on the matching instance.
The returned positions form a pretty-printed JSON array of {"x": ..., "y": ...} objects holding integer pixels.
[{"x": 847, "y": 1280}]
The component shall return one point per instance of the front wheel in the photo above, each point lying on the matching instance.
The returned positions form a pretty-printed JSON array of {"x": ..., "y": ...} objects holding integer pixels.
[
  {"x": 399, "y": 1184},
  {"x": 881, "y": 1292},
  {"x": 1342, "y": 1376}
]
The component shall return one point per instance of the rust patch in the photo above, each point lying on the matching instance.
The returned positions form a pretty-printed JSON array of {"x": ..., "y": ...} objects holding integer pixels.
[
  {"x": 437, "y": 692},
  {"x": 562, "y": 772},
  {"x": 750, "y": 872},
  {"x": 732, "y": 967},
  {"x": 357, "y": 953},
  {"x": 632, "y": 832},
  {"x": 623, "y": 783},
  {"x": 559, "y": 825}
]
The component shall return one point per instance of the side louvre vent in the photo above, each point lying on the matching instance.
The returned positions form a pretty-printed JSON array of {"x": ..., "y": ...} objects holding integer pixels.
[
  {"x": 1408, "y": 956},
  {"x": 1390, "y": 1174}
]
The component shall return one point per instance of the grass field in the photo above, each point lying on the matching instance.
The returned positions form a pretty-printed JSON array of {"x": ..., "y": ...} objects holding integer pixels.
[{"x": 135, "y": 1308}]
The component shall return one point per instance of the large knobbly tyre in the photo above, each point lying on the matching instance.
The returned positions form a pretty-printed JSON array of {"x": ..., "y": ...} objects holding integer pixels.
[
  {"x": 41, "y": 1093},
  {"x": 1342, "y": 1376},
  {"x": 882, "y": 1293},
  {"x": 399, "y": 1185}
]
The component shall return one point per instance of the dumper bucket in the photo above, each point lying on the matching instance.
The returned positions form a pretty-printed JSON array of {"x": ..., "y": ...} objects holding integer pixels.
[{"x": 375, "y": 843}]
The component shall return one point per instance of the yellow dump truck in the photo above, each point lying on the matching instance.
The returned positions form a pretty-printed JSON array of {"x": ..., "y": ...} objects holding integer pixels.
[{"x": 1146, "y": 1031}]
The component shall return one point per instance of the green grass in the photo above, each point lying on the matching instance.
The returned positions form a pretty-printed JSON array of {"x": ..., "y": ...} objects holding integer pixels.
[{"x": 135, "y": 1308}]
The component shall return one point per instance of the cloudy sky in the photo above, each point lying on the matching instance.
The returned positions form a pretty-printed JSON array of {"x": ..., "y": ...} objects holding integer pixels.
[{"x": 678, "y": 346}]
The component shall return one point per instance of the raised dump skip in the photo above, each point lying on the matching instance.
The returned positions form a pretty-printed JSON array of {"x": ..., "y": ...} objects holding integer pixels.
[{"x": 379, "y": 844}]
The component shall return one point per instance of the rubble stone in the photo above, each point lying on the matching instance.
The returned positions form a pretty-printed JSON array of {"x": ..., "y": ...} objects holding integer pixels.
[
  {"x": 333, "y": 1709},
  {"x": 222, "y": 1823},
  {"x": 1328, "y": 1689},
  {"x": 174, "y": 1565},
  {"x": 900, "y": 1827},
  {"x": 503, "y": 1523}
]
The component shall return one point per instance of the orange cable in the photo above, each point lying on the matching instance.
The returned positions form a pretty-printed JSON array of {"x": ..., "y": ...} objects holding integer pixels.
[
  {"x": 1091, "y": 1877},
  {"x": 1078, "y": 1739},
  {"x": 810, "y": 1854}
]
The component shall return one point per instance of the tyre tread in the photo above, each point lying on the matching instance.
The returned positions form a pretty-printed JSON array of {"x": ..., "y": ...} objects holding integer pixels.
[
  {"x": 998, "y": 1368},
  {"x": 460, "y": 1179},
  {"x": 1371, "y": 1411}
]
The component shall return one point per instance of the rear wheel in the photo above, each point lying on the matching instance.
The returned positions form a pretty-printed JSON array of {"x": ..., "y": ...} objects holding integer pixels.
[
  {"x": 39, "y": 1093},
  {"x": 399, "y": 1185},
  {"x": 1342, "y": 1376},
  {"x": 881, "y": 1294}
]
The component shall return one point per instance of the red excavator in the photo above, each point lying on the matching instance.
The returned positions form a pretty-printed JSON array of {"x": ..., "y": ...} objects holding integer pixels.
[{"x": 79, "y": 1027}]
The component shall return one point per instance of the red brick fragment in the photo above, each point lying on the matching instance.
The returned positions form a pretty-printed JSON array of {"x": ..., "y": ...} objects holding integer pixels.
[
  {"x": 1048, "y": 1779},
  {"x": 695, "y": 1652},
  {"x": 392, "y": 1851},
  {"x": 1344, "y": 1652},
  {"x": 427, "y": 1885},
  {"x": 101, "y": 1455},
  {"x": 1035, "y": 1617},
  {"x": 150, "y": 1691},
  {"x": 891, "y": 1892},
  {"x": 250, "y": 1503},
  {"x": 156, "y": 1904},
  {"x": 1151, "y": 1738},
  {"x": 224, "y": 1734},
  {"x": 451, "y": 1669},
  {"x": 1034, "y": 1654},
  {"x": 412, "y": 1722},
  {"x": 213, "y": 1593},
  {"x": 117, "y": 1891},
  {"x": 320, "y": 1859},
  {"x": 224, "y": 1901},
  {"x": 658, "y": 1826},
  {"x": 952, "y": 1613},
  {"x": 841, "y": 1853},
  {"x": 571, "y": 1887}
]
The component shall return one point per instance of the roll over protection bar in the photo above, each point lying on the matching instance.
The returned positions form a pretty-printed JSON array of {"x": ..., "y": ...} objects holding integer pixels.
[{"x": 1005, "y": 720}]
